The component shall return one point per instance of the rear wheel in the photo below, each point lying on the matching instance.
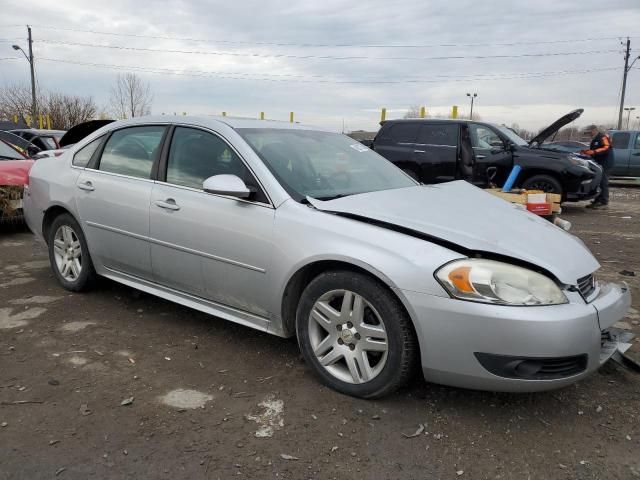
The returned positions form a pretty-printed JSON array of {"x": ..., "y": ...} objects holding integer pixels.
[
  {"x": 546, "y": 183},
  {"x": 69, "y": 255},
  {"x": 355, "y": 334}
]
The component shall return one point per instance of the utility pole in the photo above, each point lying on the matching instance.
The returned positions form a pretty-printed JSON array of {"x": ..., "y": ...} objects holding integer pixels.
[
  {"x": 34, "y": 107},
  {"x": 627, "y": 67},
  {"x": 474, "y": 95}
]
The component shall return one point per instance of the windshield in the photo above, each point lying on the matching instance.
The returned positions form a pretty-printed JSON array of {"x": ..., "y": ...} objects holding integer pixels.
[
  {"x": 323, "y": 165},
  {"x": 512, "y": 136},
  {"x": 8, "y": 153}
]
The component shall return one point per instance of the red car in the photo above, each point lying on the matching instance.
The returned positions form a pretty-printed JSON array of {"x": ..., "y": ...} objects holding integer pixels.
[{"x": 14, "y": 175}]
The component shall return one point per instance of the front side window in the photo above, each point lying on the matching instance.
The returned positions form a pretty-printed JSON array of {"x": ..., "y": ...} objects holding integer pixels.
[
  {"x": 131, "y": 151},
  {"x": 196, "y": 155},
  {"x": 322, "y": 165},
  {"x": 82, "y": 156},
  {"x": 637, "y": 146},
  {"x": 483, "y": 137},
  {"x": 621, "y": 140}
]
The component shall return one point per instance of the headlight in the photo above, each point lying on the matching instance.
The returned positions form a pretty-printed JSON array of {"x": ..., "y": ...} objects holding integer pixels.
[
  {"x": 581, "y": 162},
  {"x": 488, "y": 281}
]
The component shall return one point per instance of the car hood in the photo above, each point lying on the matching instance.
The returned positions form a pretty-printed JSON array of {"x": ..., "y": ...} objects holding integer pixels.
[
  {"x": 459, "y": 214},
  {"x": 15, "y": 172},
  {"x": 555, "y": 126}
]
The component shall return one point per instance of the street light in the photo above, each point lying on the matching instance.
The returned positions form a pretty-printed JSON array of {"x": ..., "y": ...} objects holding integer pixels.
[
  {"x": 638, "y": 122},
  {"x": 34, "y": 107},
  {"x": 472, "y": 96},
  {"x": 629, "y": 110}
]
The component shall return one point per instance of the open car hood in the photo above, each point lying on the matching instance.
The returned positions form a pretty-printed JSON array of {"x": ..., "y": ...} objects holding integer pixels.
[
  {"x": 82, "y": 130},
  {"x": 555, "y": 126},
  {"x": 458, "y": 215}
]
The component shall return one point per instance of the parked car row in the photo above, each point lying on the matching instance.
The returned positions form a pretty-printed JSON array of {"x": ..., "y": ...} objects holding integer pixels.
[{"x": 301, "y": 232}]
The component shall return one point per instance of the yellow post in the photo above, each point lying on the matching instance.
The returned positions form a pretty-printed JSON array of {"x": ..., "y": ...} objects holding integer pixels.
[
  {"x": 15, "y": 119},
  {"x": 261, "y": 115},
  {"x": 454, "y": 111},
  {"x": 224, "y": 114},
  {"x": 423, "y": 112},
  {"x": 40, "y": 122},
  {"x": 383, "y": 114},
  {"x": 27, "y": 120},
  {"x": 290, "y": 117},
  {"x": 48, "y": 121}
]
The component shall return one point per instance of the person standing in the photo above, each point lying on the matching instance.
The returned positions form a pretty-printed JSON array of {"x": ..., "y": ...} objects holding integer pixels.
[{"x": 601, "y": 152}]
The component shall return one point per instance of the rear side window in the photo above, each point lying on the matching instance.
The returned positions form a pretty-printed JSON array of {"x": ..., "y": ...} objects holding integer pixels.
[
  {"x": 637, "y": 146},
  {"x": 82, "y": 156},
  {"x": 438, "y": 135},
  {"x": 404, "y": 132},
  {"x": 620, "y": 140},
  {"x": 131, "y": 151}
]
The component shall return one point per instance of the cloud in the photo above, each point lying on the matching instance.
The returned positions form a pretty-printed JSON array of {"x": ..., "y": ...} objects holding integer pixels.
[{"x": 326, "y": 91}]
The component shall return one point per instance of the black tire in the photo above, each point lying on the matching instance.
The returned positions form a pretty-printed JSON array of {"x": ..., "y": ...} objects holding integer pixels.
[
  {"x": 412, "y": 173},
  {"x": 402, "y": 346},
  {"x": 546, "y": 183},
  {"x": 87, "y": 275}
]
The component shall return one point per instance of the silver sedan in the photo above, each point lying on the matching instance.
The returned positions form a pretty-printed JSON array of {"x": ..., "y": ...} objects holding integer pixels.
[{"x": 297, "y": 231}]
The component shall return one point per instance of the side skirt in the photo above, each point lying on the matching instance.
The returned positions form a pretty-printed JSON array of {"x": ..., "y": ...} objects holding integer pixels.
[{"x": 191, "y": 301}]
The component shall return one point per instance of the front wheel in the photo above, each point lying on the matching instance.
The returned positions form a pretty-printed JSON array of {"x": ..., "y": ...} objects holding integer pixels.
[
  {"x": 546, "y": 183},
  {"x": 69, "y": 255},
  {"x": 355, "y": 334}
]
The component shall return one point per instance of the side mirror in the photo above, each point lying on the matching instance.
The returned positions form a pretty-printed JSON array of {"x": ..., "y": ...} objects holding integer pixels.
[{"x": 230, "y": 185}]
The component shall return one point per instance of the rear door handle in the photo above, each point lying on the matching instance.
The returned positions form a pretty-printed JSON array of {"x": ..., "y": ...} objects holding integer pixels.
[
  {"x": 168, "y": 204},
  {"x": 88, "y": 186},
  {"x": 480, "y": 157},
  {"x": 418, "y": 151}
]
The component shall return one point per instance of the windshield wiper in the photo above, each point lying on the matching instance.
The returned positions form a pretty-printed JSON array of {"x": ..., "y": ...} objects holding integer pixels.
[{"x": 333, "y": 197}]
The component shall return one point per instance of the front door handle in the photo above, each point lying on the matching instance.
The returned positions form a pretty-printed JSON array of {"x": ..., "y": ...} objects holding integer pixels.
[
  {"x": 88, "y": 186},
  {"x": 480, "y": 157},
  {"x": 168, "y": 204},
  {"x": 418, "y": 151}
]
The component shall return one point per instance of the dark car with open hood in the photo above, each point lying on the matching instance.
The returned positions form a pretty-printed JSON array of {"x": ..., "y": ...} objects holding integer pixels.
[{"x": 438, "y": 150}]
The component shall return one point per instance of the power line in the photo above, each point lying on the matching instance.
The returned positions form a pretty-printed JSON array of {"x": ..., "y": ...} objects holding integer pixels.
[
  {"x": 322, "y": 57},
  {"x": 268, "y": 78},
  {"x": 327, "y": 45}
]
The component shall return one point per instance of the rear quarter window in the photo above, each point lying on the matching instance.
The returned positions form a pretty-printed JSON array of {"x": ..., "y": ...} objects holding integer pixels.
[{"x": 404, "y": 132}]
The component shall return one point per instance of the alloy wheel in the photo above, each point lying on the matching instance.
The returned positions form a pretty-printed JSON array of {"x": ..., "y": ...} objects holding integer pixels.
[
  {"x": 67, "y": 252},
  {"x": 348, "y": 336}
]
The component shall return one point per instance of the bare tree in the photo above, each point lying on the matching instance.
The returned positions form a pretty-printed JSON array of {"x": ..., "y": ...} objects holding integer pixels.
[
  {"x": 15, "y": 100},
  {"x": 413, "y": 112},
  {"x": 131, "y": 96},
  {"x": 65, "y": 111}
]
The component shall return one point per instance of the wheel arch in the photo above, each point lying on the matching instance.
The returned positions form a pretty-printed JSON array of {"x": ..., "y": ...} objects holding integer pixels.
[
  {"x": 526, "y": 174},
  {"x": 51, "y": 214},
  {"x": 304, "y": 274}
]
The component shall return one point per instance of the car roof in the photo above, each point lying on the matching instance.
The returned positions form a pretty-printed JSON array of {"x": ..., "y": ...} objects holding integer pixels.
[{"x": 215, "y": 121}]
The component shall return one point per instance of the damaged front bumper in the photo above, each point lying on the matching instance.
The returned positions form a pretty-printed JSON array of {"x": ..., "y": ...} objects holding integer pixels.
[{"x": 518, "y": 349}]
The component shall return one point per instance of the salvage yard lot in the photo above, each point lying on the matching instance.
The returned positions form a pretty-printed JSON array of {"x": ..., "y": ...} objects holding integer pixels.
[{"x": 119, "y": 384}]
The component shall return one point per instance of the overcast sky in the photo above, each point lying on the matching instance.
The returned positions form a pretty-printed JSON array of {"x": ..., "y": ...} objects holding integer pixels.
[{"x": 393, "y": 56}]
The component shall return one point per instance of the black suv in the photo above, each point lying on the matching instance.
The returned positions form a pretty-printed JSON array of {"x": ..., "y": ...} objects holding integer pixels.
[{"x": 435, "y": 151}]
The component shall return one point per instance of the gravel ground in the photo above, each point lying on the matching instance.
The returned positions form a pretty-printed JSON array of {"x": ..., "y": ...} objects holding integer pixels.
[{"x": 119, "y": 384}]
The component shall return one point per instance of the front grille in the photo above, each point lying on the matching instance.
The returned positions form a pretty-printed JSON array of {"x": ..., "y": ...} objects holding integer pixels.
[{"x": 586, "y": 286}]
